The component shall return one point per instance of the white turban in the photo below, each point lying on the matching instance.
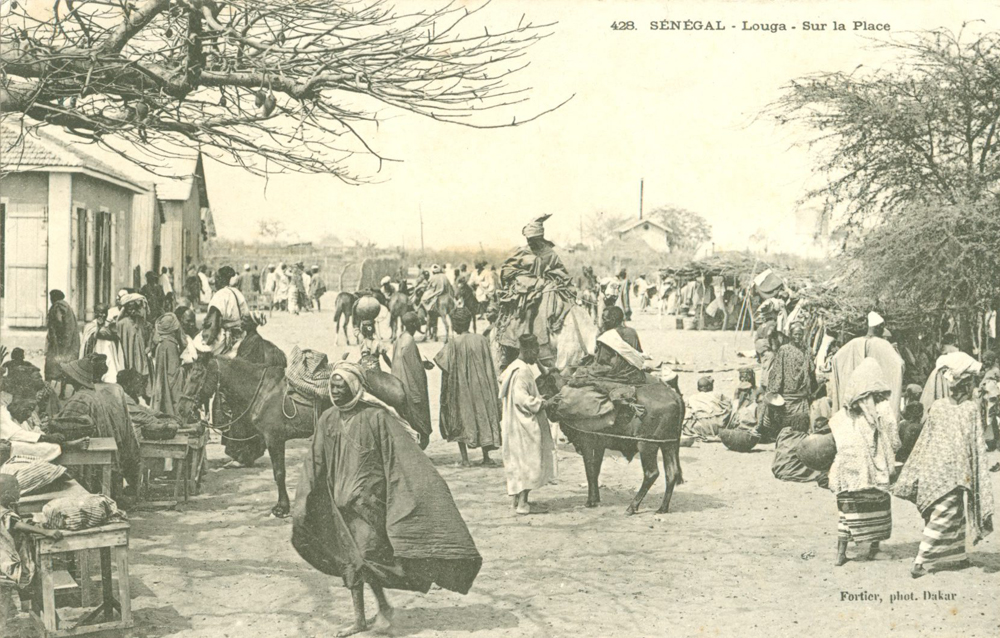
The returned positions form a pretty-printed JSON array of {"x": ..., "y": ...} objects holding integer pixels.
[{"x": 875, "y": 319}]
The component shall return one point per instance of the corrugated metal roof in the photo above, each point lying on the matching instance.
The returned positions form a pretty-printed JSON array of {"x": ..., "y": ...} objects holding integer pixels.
[{"x": 34, "y": 149}]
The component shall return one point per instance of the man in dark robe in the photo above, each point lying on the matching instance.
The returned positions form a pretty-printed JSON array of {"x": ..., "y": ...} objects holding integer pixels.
[
  {"x": 618, "y": 350},
  {"x": 62, "y": 341},
  {"x": 132, "y": 334},
  {"x": 410, "y": 368},
  {"x": 101, "y": 407},
  {"x": 470, "y": 408},
  {"x": 371, "y": 508},
  {"x": 790, "y": 385},
  {"x": 155, "y": 297},
  {"x": 792, "y": 376},
  {"x": 168, "y": 376},
  {"x": 536, "y": 274}
]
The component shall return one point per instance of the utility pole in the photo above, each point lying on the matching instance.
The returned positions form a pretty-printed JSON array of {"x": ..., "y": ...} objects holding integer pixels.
[
  {"x": 641, "y": 180},
  {"x": 421, "y": 229},
  {"x": 581, "y": 229}
]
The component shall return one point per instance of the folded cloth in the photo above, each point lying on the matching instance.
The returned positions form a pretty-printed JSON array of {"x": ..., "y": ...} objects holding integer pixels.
[
  {"x": 74, "y": 513},
  {"x": 32, "y": 474},
  {"x": 308, "y": 373}
]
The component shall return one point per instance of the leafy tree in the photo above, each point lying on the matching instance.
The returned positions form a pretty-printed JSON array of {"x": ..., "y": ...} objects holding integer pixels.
[
  {"x": 270, "y": 84},
  {"x": 600, "y": 226},
  {"x": 935, "y": 258},
  {"x": 687, "y": 229},
  {"x": 921, "y": 130}
]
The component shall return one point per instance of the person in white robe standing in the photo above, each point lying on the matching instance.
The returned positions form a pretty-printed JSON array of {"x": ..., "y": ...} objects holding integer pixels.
[{"x": 528, "y": 451}]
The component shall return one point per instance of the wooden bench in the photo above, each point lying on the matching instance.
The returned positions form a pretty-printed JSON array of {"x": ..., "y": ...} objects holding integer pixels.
[
  {"x": 99, "y": 454},
  {"x": 111, "y": 541}
]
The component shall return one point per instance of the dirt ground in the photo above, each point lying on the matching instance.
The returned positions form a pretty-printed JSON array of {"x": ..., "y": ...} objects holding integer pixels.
[{"x": 739, "y": 554}]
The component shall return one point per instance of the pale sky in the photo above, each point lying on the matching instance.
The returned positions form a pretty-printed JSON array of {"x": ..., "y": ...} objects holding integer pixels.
[{"x": 672, "y": 107}]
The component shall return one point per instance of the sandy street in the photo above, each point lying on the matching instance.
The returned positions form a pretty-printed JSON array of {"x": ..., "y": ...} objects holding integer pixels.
[{"x": 740, "y": 553}]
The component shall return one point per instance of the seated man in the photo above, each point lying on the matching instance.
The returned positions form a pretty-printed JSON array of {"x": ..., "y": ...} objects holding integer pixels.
[
  {"x": 708, "y": 411},
  {"x": 618, "y": 357},
  {"x": 26, "y": 439},
  {"x": 718, "y": 312},
  {"x": 222, "y": 329},
  {"x": 100, "y": 409},
  {"x": 144, "y": 419}
]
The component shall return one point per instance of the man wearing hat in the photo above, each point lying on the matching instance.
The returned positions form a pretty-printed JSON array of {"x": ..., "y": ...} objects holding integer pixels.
[
  {"x": 707, "y": 411},
  {"x": 538, "y": 268},
  {"x": 105, "y": 406},
  {"x": 101, "y": 336},
  {"x": 854, "y": 352},
  {"x": 528, "y": 450},
  {"x": 410, "y": 368}
]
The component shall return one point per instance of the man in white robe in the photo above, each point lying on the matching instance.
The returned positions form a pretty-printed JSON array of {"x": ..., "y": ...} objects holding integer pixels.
[{"x": 528, "y": 450}]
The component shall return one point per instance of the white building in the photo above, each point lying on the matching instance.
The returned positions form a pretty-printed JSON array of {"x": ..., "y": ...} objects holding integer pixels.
[{"x": 656, "y": 235}]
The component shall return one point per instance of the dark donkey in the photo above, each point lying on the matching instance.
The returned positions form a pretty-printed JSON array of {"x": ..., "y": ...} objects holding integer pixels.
[
  {"x": 659, "y": 431},
  {"x": 256, "y": 394}
]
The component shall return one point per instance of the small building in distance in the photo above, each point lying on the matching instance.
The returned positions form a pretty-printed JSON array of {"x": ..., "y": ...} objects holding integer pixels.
[
  {"x": 653, "y": 233},
  {"x": 65, "y": 224}
]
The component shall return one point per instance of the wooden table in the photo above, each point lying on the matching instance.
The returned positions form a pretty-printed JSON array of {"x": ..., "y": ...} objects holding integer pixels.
[
  {"x": 107, "y": 539},
  {"x": 33, "y": 503},
  {"x": 100, "y": 453},
  {"x": 176, "y": 449}
]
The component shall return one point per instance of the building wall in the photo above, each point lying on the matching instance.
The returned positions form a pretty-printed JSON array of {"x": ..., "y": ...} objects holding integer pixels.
[
  {"x": 654, "y": 237},
  {"x": 25, "y": 188},
  {"x": 25, "y": 197},
  {"x": 180, "y": 235},
  {"x": 97, "y": 195}
]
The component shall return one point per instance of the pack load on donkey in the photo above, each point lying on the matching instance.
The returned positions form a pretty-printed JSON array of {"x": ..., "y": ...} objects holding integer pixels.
[
  {"x": 640, "y": 415},
  {"x": 308, "y": 375}
]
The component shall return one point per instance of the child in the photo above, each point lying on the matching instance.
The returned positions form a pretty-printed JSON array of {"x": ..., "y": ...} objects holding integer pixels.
[
  {"x": 371, "y": 348},
  {"x": 17, "y": 565}
]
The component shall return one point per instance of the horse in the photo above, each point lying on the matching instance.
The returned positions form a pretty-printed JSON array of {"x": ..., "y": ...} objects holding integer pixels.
[
  {"x": 343, "y": 309},
  {"x": 399, "y": 305},
  {"x": 440, "y": 308},
  {"x": 659, "y": 431},
  {"x": 259, "y": 394}
]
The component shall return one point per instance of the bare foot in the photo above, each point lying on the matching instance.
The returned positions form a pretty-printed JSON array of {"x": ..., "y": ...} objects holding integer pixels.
[
  {"x": 382, "y": 622},
  {"x": 918, "y": 571},
  {"x": 464, "y": 464},
  {"x": 353, "y": 628},
  {"x": 488, "y": 463},
  {"x": 841, "y": 560},
  {"x": 236, "y": 465},
  {"x": 873, "y": 550}
]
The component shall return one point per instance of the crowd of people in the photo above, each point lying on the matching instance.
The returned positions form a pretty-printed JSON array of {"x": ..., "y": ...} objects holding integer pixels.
[
  {"x": 844, "y": 420},
  {"x": 388, "y": 519}
]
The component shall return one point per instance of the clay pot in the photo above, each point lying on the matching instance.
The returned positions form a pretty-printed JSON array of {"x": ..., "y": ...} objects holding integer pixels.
[{"x": 817, "y": 451}]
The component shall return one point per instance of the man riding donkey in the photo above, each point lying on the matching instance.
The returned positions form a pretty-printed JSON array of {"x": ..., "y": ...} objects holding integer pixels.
[{"x": 608, "y": 403}]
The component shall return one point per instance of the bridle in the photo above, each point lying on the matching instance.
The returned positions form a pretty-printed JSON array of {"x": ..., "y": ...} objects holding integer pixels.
[{"x": 225, "y": 427}]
